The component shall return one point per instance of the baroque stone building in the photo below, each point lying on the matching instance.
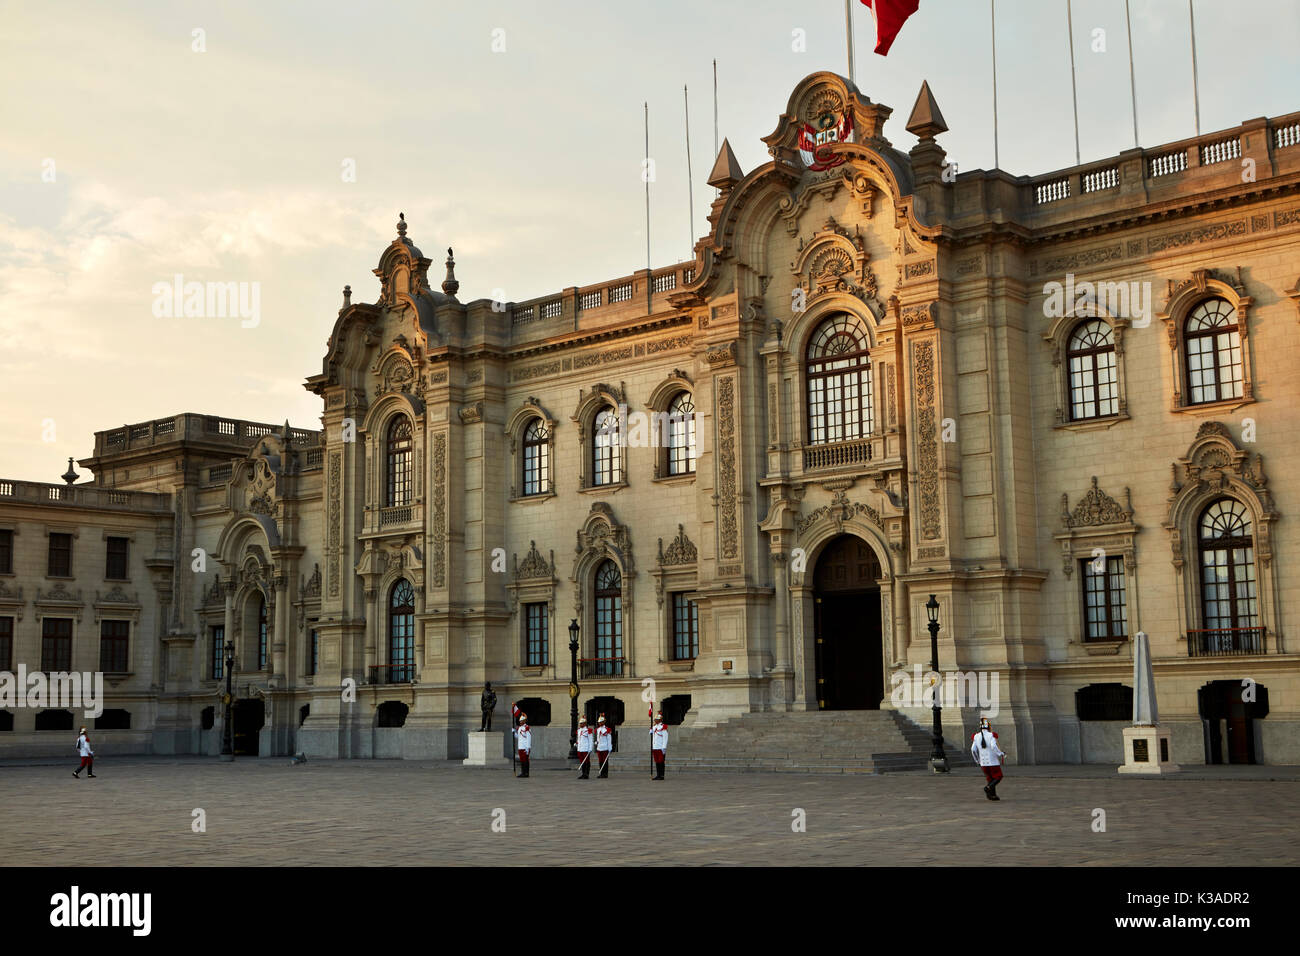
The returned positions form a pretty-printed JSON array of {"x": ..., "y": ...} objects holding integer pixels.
[{"x": 1048, "y": 401}]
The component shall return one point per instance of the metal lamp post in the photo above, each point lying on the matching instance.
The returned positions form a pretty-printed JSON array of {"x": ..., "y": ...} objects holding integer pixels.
[
  {"x": 573, "y": 689},
  {"x": 938, "y": 759},
  {"x": 227, "y": 732}
]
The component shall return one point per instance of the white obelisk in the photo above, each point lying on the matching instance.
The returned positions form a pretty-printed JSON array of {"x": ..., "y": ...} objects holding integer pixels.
[{"x": 1147, "y": 745}]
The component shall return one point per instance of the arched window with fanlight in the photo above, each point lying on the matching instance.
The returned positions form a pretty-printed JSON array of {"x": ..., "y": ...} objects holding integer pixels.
[
  {"x": 398, "y": 445},
  {"x": 1212, "y": 342},
  {"x": 607, "y": 448},
  {"x": 839, "y": 381},
  {"x": 1094, "y": 384},
  {"x": 401, "y": 632},
  {"x": 537, "y": 458},
  {"x": 1229, "y": 602},
  {"x": 680, "y": 428},
  {"x": 609, "y": 619}
]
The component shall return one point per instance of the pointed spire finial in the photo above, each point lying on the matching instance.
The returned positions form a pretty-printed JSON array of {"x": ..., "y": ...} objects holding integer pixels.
[
  {"x": 347, "y": 296},
  {"x": 726, "y": 170},
  {"x": 926, "y": 121},
  {"x": 401, "y": 225},
  {"x": 449, "y": 284}
]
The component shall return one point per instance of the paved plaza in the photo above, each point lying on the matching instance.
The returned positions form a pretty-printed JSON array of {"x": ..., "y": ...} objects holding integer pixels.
[{"x": 139, "y": 810}]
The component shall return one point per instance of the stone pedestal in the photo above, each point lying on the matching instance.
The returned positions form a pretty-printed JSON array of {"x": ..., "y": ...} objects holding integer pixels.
[
  {"x": 1148, "y": 750},
  {"x": 485, "y": 750}
]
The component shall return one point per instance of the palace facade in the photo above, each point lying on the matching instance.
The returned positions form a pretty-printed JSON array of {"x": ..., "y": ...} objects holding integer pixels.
[{"x": 1064, "y": 405}]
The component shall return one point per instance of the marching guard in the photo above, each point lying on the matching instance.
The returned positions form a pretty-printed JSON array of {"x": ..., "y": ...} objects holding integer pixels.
[
  {"x": 659, "y": 744},
  {"x": 584, "y": 749},
  {"x": 984, "y": 748},
  {"x": 524, "y": 741},
  {"x": 604, "y": 744}
]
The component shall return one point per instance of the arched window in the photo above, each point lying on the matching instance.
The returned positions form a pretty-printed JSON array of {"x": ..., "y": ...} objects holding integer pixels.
[
  {"x": 681, "y": 435},
  {"x": 1229, "y": 602},
  {"x": 537, "y": 458},
  {"x": 401, "y": 633},
  {"x": 1094, "y": 391},
  {"x": 839, "y": 382},
  {"x": 399, "y": 458},
  {"x": 1213, "y": 349},
  {"x": 607, "y": 449},
  {"x": 609, "y": 619},
  {"x": 261, "y": 633}
]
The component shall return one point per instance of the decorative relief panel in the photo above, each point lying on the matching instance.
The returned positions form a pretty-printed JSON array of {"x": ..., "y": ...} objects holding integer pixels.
[
  {"x": 440, "y": 510},
  {"x": 927, "y": 441},
  {"x": 727, "y": 467},
  {"x": 335, "y": 521}
]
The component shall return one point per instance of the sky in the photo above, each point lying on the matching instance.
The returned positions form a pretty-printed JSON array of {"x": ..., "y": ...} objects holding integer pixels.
[{"x": 274, "y": 143}]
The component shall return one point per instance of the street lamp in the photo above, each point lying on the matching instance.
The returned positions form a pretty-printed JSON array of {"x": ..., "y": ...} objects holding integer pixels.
[
  {"x": 573, "y": 689},
  {"x": 938, "y": 759},
  {"x": 227, "y": 738}
]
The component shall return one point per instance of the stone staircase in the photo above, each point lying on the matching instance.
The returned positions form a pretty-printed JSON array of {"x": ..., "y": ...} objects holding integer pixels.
[{"x": 858, "y": 741}]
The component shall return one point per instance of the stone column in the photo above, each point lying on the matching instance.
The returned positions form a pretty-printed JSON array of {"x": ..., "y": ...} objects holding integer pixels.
[
  {"x": 283, "y": 612},
  {"x": 372, "y": 610},
  {"x": 782, "y": 649}
]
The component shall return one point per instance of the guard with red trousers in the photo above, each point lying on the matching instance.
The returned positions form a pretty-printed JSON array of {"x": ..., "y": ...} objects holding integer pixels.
[{"x": 984, "y": 748}]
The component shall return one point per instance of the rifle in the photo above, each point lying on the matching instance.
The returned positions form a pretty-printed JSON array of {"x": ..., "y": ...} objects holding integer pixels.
[{"x": 514, "y": 737}]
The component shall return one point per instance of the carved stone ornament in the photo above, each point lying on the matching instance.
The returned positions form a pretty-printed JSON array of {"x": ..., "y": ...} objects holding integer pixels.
[
  {"x": 680, "y": 550},
  {"x": 533, "y": 565},
  {"x": 1096, "y": 508}
]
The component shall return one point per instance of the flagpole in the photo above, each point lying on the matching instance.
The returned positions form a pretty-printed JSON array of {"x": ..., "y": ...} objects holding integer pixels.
[
  {"x": 1196, "y": 94},
  {"x": 993, "y": 31},
  {"x": 649, "y": 281},
  {"x": 1132, "y": 83},
  {"x": 690, "y": 187},
  {"x": 715, "y": 107},
  {"x": 848, "y": 33},
  {"x": 1074, "y": 89}
]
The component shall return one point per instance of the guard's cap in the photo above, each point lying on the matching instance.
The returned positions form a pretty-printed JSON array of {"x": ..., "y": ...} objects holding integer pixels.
[
  {"x": 522, "y": 716},
  {"x": 600, "y": 719},
  {"x": 659, "y": 715}
]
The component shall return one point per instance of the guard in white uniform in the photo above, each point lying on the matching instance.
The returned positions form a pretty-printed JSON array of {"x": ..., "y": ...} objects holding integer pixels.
[
  {"x": 584, "y": 748},
  {"x": 604, "y": 744},
  {"x": 986, "y": 752},
  {"x": 524, "y": 740},
  {"x": 659, "y": 744}
]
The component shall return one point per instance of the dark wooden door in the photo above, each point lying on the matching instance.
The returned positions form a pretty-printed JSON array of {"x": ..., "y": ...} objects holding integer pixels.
[{"x": 249, "y": 715}]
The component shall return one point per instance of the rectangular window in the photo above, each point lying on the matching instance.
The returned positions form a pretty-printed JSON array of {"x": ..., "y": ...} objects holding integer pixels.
[
  {"x": 313, "y": 652},
  {"x": 686, "y": 628},
  {"x": 1104, "y": 610},
  {"x": 60, "y": 565},
  {"x": 115, "y": 564},
  {"x": 56, "y": 644},
  {"x": 218, "y": 659},
  {"x": 6, "y": 551},
  {"x": 6, "y": 644},
  {"x": 536, "y": 625},
  {"x": 113, "y": 637}
]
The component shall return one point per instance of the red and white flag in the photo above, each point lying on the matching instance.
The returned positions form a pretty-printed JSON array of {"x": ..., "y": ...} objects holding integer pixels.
[
  {"x": 514, "y": 711},
  {"x": 890, "y": 16}
]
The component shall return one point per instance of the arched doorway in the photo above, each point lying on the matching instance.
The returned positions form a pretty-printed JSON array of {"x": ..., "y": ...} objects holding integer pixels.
[{"x": 850, "y": 660}]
